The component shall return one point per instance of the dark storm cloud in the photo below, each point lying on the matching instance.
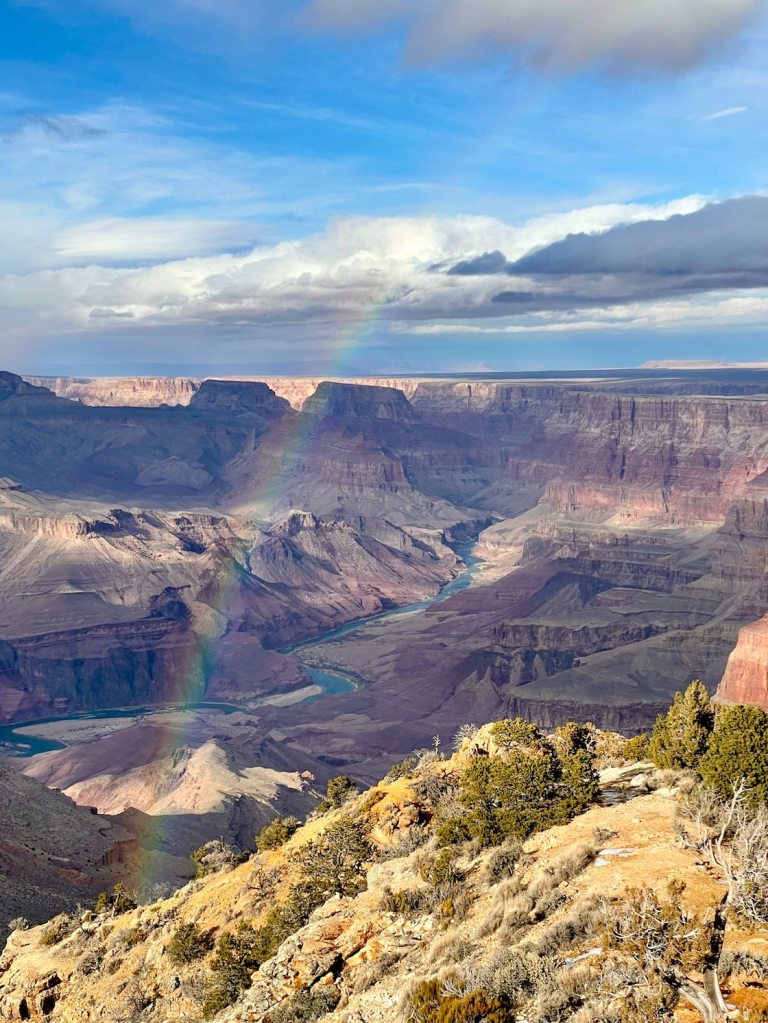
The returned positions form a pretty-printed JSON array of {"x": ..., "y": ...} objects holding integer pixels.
[
  {"x": 723, "y": 246},
  {"x": 718, "y": 239}
]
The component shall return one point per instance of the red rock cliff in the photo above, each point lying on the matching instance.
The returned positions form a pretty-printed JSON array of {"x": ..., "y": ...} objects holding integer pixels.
[{"x": 746, "y": 675}]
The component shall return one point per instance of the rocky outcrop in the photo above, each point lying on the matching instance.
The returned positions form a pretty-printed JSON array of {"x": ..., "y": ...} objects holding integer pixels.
[
  {"x": 237, "y": 398},
  {"x": 522, "y": 652},
  {"x": 353, "y": 401},
  {"x": 114, "y": 664},
  {"x": 586, "y": 623},
  {"x": 180, "y": 777},
  {"x": 105, "y": 607},
  {"x": 746, "y": 675},
  {"x": 13, "y": 386},
  {"x": 485, "y": 445},
  {"x": 439, "y": 397},
  {"x": 383, "y": 566},
  {"x": 637, "y": 528},
  {"x": 363, "y": 450},
  {"x": 71, "y": 450}
]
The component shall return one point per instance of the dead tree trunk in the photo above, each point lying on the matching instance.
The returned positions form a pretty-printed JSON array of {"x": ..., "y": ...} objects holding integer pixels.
[{"x": 712, "y": 962}]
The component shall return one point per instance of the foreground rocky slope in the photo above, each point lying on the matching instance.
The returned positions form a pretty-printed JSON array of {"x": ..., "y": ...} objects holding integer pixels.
[{"x": 529, "y": 921}]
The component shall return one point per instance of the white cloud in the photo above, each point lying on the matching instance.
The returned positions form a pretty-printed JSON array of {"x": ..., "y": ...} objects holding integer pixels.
[
  {"x": 728, "y": 112},
  {"x": 88, "y": 187},
  {"x": 121, "y": 239},
  {"x": 561, "y": 35},
  {"x": 356, "y": 266}
]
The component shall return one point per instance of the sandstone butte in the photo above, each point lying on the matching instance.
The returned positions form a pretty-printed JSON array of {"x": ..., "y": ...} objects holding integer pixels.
[{"x": 362, "y": 949}]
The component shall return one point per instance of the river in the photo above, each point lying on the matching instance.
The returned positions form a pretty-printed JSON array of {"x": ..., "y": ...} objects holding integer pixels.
[
  {"x": 333, "y": 684},
  {"x": 15, "y": 744}
]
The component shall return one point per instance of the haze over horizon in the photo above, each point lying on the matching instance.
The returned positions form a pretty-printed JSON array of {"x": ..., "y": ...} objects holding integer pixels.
[{"x": 342, "y": 188}]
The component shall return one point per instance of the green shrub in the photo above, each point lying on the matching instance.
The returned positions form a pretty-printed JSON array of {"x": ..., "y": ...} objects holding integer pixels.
[
  {"x": 452, "y": 830},
  {"x": 276, "y": 833},
  {"x": 527, "y": 790},
  {"x": 533, "y": 783},
  {"x": 216, "y": 855},
  {"x": 681, "y": 736},
  {"x": 738, "y": 749},
  {"x": 333, "y": 863},
  {"x": 118, "y": 902},
  {"x": 304, "y": 1006},
  {"x": 57, "y": 930},
  {"x": 189, "y": 943},
  {"x": 578, "y": 785},
  {"x": 337, "y": 792},
  {"x": 403, "y": 769},
  {"x": 237, "y": 956},
  {"x": 515, "y": 732},
  {"x": 636, "y": 749},
  {"x": 430, "y": 1004},
  {"x": 509, "y": 796}
]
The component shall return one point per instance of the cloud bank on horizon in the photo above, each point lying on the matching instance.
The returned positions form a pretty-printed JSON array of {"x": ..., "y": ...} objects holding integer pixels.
[{"x": 339, "y": 199}]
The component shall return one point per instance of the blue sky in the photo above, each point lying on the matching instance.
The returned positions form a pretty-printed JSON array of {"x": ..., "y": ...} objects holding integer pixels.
[{"x": 219, "y": 188}]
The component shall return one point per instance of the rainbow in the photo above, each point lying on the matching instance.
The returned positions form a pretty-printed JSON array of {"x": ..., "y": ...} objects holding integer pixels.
[{"x": 293, "y": 439}]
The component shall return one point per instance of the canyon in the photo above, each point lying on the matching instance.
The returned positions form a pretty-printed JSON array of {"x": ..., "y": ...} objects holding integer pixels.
[{"x": 172, "y": 542}]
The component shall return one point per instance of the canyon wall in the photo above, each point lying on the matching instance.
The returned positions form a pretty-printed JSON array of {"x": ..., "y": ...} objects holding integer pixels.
[
  {"x": 635, "y": 544},
  {"x": 140, "y": 391},
  {"x": 151, "y": 392}
]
